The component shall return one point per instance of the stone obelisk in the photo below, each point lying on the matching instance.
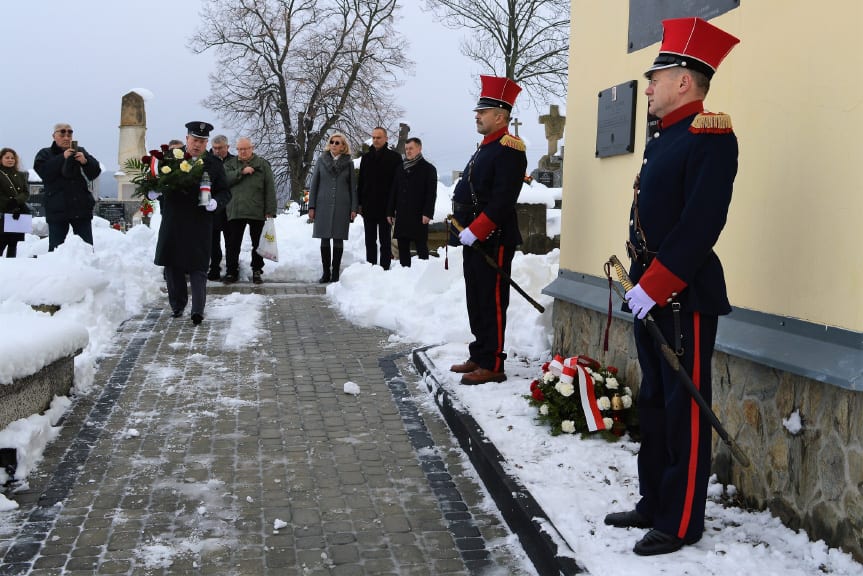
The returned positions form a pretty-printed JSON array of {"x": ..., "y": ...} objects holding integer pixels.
[{"x": 133, "y": 129}]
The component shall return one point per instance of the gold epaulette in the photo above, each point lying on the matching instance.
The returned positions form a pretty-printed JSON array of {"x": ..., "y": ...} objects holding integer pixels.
[
  {"x": 710, "y": 123},
  {"x": 513, "y": 142}
]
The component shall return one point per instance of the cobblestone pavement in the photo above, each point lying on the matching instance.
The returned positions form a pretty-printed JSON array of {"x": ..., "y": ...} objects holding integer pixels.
[{"x": 199, "y": 457}]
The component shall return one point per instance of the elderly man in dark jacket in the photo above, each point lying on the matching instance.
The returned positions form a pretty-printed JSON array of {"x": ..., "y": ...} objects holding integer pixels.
[
  {"x": 375, "y": 181},
  {"x": 187, "y": 228},
  {"x": 66, "y": 171},
  {"x": 412, "y": 202}
]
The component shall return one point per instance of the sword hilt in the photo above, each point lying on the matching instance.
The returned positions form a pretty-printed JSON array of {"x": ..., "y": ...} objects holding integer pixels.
[{"x": 622, "y": 276}]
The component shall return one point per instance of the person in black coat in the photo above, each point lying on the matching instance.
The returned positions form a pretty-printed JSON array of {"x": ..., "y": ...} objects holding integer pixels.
[
  {"x": 220, "y": 217},
  {"x": 679, "y": 208},
  {"x": 412, "y": 202},
  {"x": 375, "y": 181},
  {"x": 66, "y": 173},
  {"x": 484, "y": 203},
  {"x": 186, "y": 231},
  {"x": 14, "y": 192}
]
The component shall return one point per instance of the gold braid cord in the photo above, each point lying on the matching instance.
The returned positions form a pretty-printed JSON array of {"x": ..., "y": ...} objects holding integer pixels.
[{"x": 622, "y": 276}]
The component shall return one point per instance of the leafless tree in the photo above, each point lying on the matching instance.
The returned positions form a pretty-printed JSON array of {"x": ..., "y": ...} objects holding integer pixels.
[
  {"x": 290, "y": 72},
  {"x": 525, "y": 40}
]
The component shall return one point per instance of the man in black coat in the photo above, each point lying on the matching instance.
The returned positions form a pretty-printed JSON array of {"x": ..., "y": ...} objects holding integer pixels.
[
  {"x": 220, "y": 216},
  {"x": 66, "y": 172},
  {"x": 484, "y": 203},
  {"x": 375, "y": 181},
  {"x": 412, "y": 202},
  {"x": 186, "y": 231}
]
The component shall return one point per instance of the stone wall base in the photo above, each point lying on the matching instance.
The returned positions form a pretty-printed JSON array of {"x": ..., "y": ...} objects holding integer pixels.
[
  {"x": 812, "y": 479},
  {"x": 33, "y": 394}
]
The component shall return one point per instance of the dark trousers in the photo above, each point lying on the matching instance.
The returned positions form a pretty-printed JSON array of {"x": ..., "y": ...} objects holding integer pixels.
[
  {"x": 674, "y": 459},
  {"x": 57, "y": 231},
  {"x": 220, "y": 228},
  {"x": 378, "y": 229},
  {"x": 178, "y": 293},
  {"x": 9, "y": 243},
  {"x": 404, "y": 245},
  {"x": 487, "y": 295},
  {"x": 234, "y": 240}
]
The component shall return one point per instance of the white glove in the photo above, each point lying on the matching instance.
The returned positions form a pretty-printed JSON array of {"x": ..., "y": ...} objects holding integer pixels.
[
  {"x": 211, "y": 205},
  {"x": 467, "y": 237},
  {"x": 639, "y": 302},
  {"x": 152, "y": 195}
]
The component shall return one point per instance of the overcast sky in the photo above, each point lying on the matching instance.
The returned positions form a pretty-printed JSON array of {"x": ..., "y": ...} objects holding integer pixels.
[{"x": 73, "y": 62}]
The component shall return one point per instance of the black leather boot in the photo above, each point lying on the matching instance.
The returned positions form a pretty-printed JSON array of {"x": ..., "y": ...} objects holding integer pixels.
[
  {"x": 337, "y": 262},
  {"x": 325, "y": 262}
]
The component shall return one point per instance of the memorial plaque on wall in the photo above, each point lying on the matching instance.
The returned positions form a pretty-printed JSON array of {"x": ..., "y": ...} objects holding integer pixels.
[
  {"x": 646, "y": 16},
  {"x": 615, "y": 120}
]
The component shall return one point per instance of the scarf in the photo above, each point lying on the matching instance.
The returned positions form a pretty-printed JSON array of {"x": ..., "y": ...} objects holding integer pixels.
[{"x": 410, "y": 163}]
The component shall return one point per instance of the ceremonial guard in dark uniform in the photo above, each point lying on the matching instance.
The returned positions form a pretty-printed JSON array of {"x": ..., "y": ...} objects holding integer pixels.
[
  {"x": 679, "y": 208},
  {"x": 484, "y": 203}
]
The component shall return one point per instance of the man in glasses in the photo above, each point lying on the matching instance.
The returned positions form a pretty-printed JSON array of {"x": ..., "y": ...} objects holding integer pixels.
[
  {"x": 66, "y": 170},
  {"x": 253, "y": 200},
  {"x": 377, "y": 172}
]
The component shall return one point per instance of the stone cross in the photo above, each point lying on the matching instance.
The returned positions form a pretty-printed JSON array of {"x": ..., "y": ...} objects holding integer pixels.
[
  {"x": 554, "y": 124},
  {"x": 515, "y": 123}
]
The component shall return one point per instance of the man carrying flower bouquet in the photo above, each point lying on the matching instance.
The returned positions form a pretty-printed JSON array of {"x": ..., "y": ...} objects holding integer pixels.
[
  {"x": 679, "y": 208},
  {"x": 185, "y": 235}
]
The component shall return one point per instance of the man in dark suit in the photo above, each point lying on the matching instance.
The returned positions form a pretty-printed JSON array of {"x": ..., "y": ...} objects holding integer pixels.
[
  {"x": 220, "y": 218},
  {"x": 678, "y": 211},
  {"x": 412, "y": 202},
  {"x": 484, "y": 203},
  {"x": 375, "y": 181}
]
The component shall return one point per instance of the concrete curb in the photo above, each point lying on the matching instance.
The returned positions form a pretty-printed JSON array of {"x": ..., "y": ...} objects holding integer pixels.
[{"x": 547, "y": 549}]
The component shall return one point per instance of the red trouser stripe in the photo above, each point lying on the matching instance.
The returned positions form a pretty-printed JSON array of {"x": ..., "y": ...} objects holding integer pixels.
[
  {"x": 694, "y": 427},
  {"x": 498, "y": 365}
]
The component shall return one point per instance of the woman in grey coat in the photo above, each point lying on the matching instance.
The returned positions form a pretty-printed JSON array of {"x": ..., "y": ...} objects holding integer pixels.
[{"x": 333, "y": 202}]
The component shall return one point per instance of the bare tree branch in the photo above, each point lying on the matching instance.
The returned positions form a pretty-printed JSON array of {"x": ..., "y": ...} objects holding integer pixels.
[
  {"x": 525, "y": 40},
  {"x": 289, "y": 72}
]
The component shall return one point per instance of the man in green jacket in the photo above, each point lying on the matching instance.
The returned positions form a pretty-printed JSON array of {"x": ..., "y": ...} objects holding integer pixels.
[{"x": 253, "y": 200}]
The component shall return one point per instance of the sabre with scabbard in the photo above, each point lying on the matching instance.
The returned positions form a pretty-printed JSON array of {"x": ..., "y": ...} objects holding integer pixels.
[
  {"x": 494, "y": 265},
  {"x": 673, "y": 361}
]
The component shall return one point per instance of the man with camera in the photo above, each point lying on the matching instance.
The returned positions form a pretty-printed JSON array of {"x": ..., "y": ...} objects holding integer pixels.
[{"x": 66, "y": 170}]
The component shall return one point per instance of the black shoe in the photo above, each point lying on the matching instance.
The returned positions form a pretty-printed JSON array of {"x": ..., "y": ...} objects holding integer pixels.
[
  {"x": 628, "y": 519},
  {"x": 230, "y": 278},
  {"x": 324, "y": 278},
  {"x": 256, "y": 277},
  {"x": 177, "y": 313},
  {"x": 656, "y": 542},
  {"x": 197, "y": 318},
  {"x": 214, "y": 275}
]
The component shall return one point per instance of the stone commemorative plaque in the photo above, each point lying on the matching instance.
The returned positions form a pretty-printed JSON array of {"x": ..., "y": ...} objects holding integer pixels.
[
  {"x": 646, "y": 16},
  {"x": 615, "y": 120},
  {"x": 113, "y": 212}
]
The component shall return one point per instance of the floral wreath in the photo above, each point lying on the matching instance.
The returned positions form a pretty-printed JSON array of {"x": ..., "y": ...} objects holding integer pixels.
[
  {"x": 578, "y": 394},
  {"x": 165, "y": 170}
]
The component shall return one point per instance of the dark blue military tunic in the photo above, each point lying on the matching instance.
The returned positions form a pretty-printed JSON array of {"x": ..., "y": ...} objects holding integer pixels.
[
  {"x": 485, "y": 199},
  {"x": 678, "y": 213}
]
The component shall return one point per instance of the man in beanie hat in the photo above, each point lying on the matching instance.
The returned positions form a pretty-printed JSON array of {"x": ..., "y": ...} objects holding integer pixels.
[
  {"x": 679, "y": 208},
  {"x": 484, "y": 204}
]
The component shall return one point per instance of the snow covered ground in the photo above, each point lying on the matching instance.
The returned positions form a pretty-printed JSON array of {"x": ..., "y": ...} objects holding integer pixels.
[{"x": 577, "y": 481}]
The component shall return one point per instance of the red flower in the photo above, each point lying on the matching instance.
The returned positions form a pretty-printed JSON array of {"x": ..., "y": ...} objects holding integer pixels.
[
  {"x": 164, "y": 147},
  {"x": 145, "y": 160},
  {"x": 612, "y": 370},
  {"x": 187, "y": 156},
  {"x": 157, "y": 154},
  {"x": 534, "y": 385},
  {"x": 545, "y": 367},
  {"x": 538, "y": 395}
]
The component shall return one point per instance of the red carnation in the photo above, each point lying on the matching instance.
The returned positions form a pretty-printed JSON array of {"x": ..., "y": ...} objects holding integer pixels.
[
  {"x": 164, "y": 147},
  {"x": 534, "y": 385},
  {"x": 545, "y": 367},
  {"x": 145, "y": 160},
  {"x": 538, "y": 395},
  {"x": 157, "y": 154},
  {"x": 612, "y": 370},
  {"x": 187, "y": 156}
]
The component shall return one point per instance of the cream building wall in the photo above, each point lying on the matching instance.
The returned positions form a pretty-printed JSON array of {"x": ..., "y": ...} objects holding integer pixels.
[{"x": 794, "y": 89}]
